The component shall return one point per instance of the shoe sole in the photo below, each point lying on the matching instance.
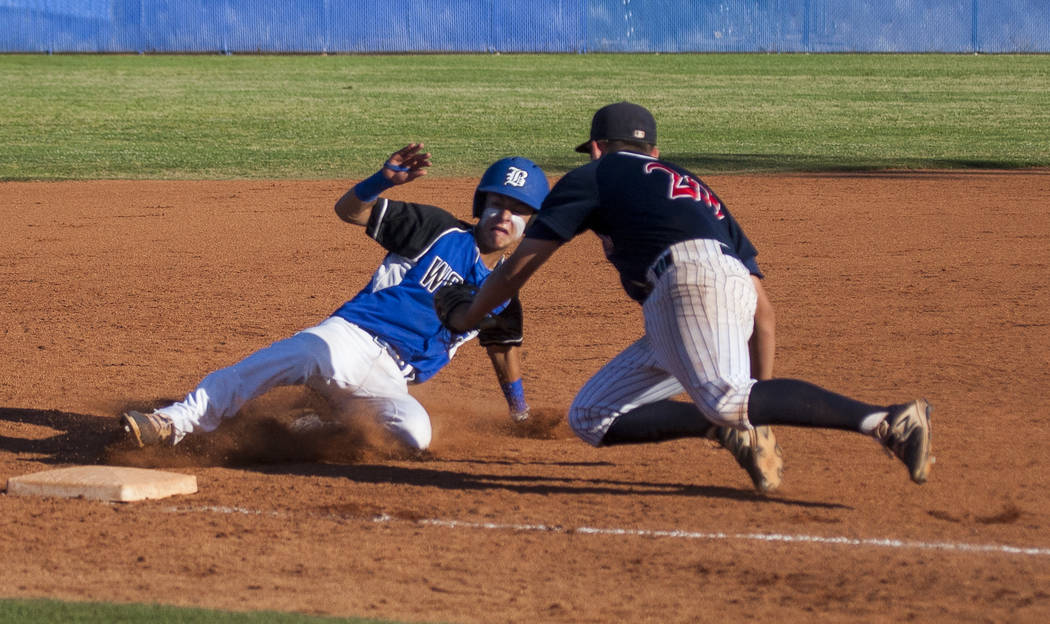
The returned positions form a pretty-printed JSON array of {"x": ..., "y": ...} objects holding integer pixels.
[
  {"x": 132, "y": 429},
  {"x": 763, "y": 461},
  {"x": 924, "y": 411},
  {"x": 769, "y": 461}
]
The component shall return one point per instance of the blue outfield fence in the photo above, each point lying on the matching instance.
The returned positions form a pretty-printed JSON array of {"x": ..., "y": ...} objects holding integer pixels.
[{"x": 359, "y": 26}]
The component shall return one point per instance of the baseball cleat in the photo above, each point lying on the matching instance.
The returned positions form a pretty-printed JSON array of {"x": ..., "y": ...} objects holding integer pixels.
[
  {"x": 148, "y": 429},
  {"x": 906, "y": 433},
  {"x": 758, "y": 453}
]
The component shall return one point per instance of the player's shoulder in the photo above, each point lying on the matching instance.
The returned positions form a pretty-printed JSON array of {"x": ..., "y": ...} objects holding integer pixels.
[
  {"x": 411, "y": 228},
  {"x": 580, "y": 176},
  {"x": 654, "y": 163},
  {"x": 423, "y": 213},
  {"x": 622, "y": 163}
]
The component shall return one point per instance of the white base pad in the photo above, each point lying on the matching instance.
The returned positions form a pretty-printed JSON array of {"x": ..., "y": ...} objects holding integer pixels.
[{"x": 110, "y": 483}]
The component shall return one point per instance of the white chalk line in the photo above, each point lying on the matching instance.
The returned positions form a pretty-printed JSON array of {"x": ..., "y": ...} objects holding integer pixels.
[{"x": 673, "y": 534}]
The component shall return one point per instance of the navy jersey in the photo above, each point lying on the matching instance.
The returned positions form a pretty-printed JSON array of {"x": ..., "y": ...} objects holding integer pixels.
[
  {"x": 638, "y": 206},
  {"x": 428, "y": 248}
]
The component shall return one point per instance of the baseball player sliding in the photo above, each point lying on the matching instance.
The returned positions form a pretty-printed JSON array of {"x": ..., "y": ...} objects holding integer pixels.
[
  {"x": 709, "y": 326},
  {"x": 364, "y": 356}
]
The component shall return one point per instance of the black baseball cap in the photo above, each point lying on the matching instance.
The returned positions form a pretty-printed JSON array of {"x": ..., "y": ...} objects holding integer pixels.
[{"x": 621, "y": 121}]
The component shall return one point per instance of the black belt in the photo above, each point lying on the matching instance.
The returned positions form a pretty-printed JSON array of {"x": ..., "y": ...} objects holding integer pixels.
[{"x": 663, "y": 262}]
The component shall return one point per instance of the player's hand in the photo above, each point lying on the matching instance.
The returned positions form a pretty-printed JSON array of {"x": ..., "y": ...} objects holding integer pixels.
[{"x": 407, "y": 164}]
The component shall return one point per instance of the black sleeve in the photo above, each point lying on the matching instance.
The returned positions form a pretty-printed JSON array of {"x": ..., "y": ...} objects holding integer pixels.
[
  {"x": 541, "y": 231},
  {"x": 408, "y": 229},
  {"x": 742, "y": 246},
  {"x": 507, "y": 328},
  {"x": 567, "y": 208}
]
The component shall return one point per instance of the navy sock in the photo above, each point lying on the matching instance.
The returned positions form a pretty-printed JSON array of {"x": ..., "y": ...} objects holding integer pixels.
[
  {"x": 656, "y": 422},
  {"x": 802, "y": 404}
]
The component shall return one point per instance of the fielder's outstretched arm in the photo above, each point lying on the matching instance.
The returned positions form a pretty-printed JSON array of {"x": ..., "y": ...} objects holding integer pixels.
[{"x": 504, "y": 282}]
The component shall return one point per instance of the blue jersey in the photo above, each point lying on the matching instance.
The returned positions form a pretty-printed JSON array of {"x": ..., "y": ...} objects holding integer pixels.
[
  {"x": 428, "y": 248},
  {"x": 639, "y": 206}
]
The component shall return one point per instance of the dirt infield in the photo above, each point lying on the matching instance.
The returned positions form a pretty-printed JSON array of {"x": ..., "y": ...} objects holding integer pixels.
[{"x": 887, "y": 287}]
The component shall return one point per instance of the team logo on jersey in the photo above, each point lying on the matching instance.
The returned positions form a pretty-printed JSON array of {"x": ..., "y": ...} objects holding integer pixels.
[
  {"x": 516, "y": 177},
  {"x": 688, "y": 187},
  {"x": 438, "y": 274}
]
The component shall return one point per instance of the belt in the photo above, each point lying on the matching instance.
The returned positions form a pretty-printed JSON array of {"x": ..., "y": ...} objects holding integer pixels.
[
  {"x": 666, "y": 260},
  {"x": 407, "y": 369},
  {"x": 662, "y": 263}
]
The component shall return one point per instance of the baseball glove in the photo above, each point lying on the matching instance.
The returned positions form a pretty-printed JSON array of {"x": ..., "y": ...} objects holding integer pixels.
[
  {"x": 449, "y": 297},
  {"x": 504, "y": 328}
]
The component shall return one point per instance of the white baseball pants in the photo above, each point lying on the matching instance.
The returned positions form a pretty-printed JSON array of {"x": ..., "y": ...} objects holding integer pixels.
[
  {"x": 345, "y": 364},
  {"x": 698, "y": 320}
]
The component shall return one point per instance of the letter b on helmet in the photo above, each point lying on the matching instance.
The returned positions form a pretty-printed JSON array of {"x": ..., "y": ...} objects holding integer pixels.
[{"x": 515, "y": 177}]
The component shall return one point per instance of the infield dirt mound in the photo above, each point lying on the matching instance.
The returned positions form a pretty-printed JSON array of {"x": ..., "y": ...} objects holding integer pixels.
[{"x": 887, "y": 286}]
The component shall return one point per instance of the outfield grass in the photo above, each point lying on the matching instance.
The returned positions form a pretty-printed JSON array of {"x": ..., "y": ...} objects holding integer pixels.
[
  {"x": 192, "y": 117},
  {"x": 55, "y": 612}
]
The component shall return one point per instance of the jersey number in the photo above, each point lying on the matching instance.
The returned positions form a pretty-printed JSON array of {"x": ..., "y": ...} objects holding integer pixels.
[{"x": 691, "y": 188}]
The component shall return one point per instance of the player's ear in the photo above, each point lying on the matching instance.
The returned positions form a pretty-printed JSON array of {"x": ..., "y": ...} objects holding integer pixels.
[{"x": 597, "y": 149}]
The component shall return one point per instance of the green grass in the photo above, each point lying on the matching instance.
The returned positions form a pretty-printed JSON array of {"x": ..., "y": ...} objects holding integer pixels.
[
  {"x": 191, "y": 117},
  {"x": 55, "y": 612}
]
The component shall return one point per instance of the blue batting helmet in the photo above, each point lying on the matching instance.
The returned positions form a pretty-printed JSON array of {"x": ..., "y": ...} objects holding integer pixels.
[{"x": 515, "y": 177}]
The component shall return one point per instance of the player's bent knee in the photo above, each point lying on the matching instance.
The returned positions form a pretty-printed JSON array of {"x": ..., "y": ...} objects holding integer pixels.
[
  {"x": 588, "y": 424},
  {"x": 731, "y": 411},
  {"x": 723, "y": 400},
  {"x": 416, "y": 439},
  {"x": 733, "y": 421}
]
